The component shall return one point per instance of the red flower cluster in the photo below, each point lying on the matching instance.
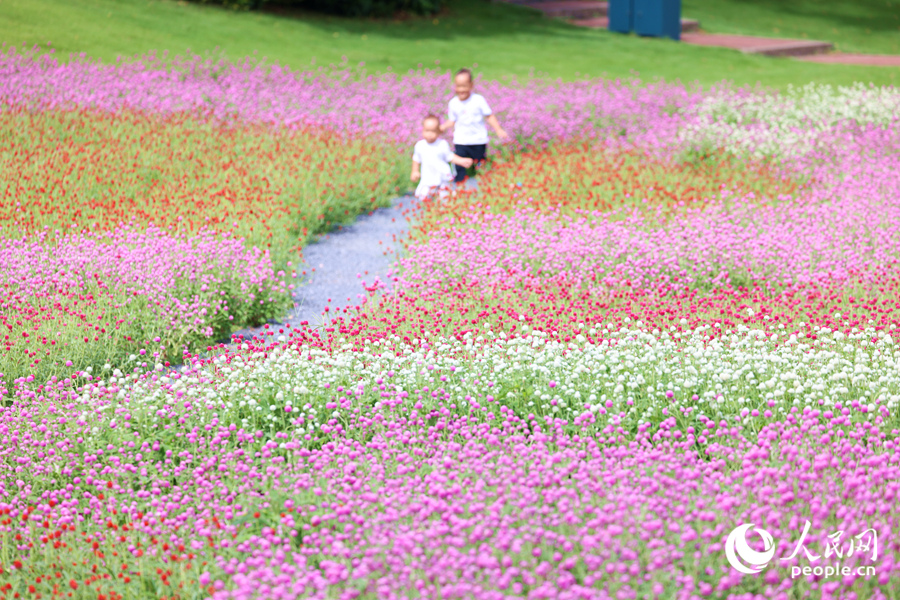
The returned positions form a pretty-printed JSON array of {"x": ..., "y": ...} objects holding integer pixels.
[{"x": 94, "y": 169}]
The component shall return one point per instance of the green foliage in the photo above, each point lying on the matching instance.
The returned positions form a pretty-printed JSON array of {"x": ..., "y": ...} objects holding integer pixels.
[
  {"x": 235, "y": 4},
  {"x": 349, "y": 8},
  {"x": 373, "y": 8}
]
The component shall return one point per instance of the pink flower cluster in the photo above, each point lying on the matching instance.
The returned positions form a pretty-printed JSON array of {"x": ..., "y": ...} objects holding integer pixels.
[
  {"x": 303, "y": 466},
  {"x": 344, "y": 101},
  {"x": 191, "y": 286},
  {"x": 845, "y": 225},
  {"x": 494, "y": 504},
  {"x": 530, "y": 510}
]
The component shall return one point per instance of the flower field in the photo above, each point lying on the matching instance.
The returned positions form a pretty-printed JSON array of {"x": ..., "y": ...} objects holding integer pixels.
[{"x": 667, "y": 312}]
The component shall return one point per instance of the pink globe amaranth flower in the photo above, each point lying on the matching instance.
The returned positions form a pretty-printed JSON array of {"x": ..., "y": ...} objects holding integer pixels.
[
  {"x": 484, "y": 502},
  {"x": 255, "y": 92},
  {"x": 94, "y": 286}
]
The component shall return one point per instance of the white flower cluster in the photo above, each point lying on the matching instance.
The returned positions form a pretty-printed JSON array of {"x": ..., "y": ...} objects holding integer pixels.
[
  {"x": 789, "y": 124},
  {"x": 632, "y": 376}
]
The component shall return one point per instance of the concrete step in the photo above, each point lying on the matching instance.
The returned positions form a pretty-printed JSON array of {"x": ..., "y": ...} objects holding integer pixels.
[
  {"x": 870, "y": 60},
  {"x": 690, "y": 25},
  {"x": 687, "y": 25},
  {"x": 755, "y": 45},
  {"x": 587, "y": 13},
  {"x": 569, "y": 9}
]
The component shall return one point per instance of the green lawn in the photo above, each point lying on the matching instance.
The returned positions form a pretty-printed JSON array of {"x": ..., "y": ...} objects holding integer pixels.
[
  {"x": 869, "y": 26},
  {"x": 502, "y": 39}
]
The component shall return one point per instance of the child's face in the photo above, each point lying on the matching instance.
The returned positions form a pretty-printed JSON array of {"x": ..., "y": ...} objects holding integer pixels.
[
  {"x": 430, "y": 130},
  {"x": 462, "y": 85}
]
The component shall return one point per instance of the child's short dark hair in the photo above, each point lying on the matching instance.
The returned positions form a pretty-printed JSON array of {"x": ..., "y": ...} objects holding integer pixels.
[
  {"x": 465, "y": 72},
  {"x": 429, "y": 117}
]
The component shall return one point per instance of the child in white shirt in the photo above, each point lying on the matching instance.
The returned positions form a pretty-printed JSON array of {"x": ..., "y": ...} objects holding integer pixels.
[
  {"x": 431, "y": 160},
  {"x": 467, "y": 114}
]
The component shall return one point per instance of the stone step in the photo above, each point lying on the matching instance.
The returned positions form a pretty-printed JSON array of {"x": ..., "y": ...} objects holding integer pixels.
[
  {"x": 755, "y": 45},
  {"x": 687, "y": 25},
  {"x": 869, "y": 60},
  {"x": 586, "y": 13},
  {"x": 569, "y": 9}
]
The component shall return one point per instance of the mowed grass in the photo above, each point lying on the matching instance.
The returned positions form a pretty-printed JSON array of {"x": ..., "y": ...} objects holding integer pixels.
[
  {"x": 499, "y": 38},
  {"x": 867, "y": 26}
]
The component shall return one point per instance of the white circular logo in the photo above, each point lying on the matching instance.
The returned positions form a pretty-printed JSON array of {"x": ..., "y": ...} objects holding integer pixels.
[{"x": 736, "y": 546}]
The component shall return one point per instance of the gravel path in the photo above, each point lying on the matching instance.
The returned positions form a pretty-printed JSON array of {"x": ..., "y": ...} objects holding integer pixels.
[{"x": 342, "y": 262}]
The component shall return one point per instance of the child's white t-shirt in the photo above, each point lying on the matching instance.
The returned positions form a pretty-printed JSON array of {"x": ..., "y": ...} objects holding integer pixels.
[
  {"x": 469, "y": 129},
  {"x": 434, "y": 159}
]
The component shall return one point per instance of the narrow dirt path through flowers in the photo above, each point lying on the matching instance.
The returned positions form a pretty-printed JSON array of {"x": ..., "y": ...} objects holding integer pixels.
[{"x": 342, "y": 265}]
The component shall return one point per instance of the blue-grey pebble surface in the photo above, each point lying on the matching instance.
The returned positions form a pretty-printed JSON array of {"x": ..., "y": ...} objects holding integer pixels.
[{"x": 342, "y": 262}]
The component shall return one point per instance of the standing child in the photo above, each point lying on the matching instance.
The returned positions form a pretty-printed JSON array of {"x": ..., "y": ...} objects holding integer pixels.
[
  {"x": 431, "y": 158},
  {"x": 467, "y": 114}
]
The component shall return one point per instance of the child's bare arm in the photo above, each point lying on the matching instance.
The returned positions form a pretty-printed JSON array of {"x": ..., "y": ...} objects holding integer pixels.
[
  {"x": 415, "y": 175},
  {"x": 447, "y": 125},
  {"x": 462, "y": 162},
  {"x": 495, "y": 125}
]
